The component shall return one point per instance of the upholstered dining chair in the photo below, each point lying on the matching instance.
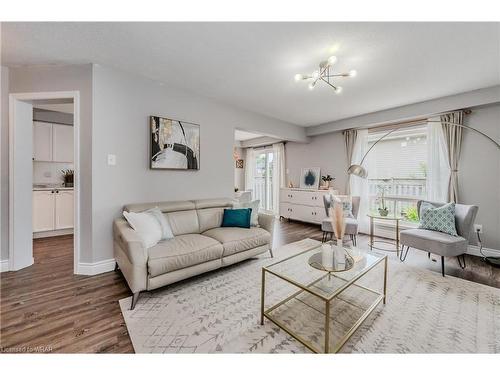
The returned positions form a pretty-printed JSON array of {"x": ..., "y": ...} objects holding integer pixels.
[
  {"x": 439, "y": 243},
  {"x": 351, "y": 224}
]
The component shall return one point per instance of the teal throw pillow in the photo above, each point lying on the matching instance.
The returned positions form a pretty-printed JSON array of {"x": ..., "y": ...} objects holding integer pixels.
[
  {"x": 440, "y": 219},
  {"x": 239, "y": 217}
]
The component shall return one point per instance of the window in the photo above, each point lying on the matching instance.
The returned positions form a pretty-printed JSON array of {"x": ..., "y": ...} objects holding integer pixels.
[
  {"x": 398, "y": 170},
  {"x": 263, "y": 179}
]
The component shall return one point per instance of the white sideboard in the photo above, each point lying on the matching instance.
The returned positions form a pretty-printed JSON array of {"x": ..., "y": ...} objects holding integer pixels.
[{"x": 303, "y": 205}]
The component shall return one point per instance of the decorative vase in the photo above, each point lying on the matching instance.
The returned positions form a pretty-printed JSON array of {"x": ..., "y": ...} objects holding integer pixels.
[
  {"x": 383, "y": 211},
  {"x": 327, "y": 256},
  {"x": 338, "y": 254}
]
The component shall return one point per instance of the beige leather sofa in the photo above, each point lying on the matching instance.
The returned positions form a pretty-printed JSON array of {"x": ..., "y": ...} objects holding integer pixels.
[{"x": 200, "y": 244}]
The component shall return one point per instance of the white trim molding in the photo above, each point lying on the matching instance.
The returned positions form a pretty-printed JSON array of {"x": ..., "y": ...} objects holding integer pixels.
[
  {"x": 29, "y": 96},
  {"x": 4, "y": 265},
  {"x": 474, "y": 250},
  {"x": 91, "y": 269}
]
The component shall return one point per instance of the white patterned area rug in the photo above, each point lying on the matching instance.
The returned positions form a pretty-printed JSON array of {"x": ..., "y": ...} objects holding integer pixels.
[{"x": 219, "y": 312}]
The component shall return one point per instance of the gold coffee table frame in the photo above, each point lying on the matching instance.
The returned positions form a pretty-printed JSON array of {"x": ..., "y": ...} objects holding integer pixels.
[{"x": 265, "y": 313}]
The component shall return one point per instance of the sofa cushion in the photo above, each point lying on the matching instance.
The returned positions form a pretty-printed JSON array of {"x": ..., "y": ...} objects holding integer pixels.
[
  {"x": 210, "y": 218},
  {"x": 182, "y": 251},
  {"x": 434, "y": 242},
  {"x": 183, "y": 222},
  {"x": 235, "y": 240}
]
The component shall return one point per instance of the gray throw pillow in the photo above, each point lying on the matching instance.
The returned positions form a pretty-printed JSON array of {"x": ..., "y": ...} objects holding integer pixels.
[{"x": 440, "y": 219}]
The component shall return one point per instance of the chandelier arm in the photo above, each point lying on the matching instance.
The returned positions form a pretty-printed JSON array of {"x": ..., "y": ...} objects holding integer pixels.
[{"x": 328, "y": 83}]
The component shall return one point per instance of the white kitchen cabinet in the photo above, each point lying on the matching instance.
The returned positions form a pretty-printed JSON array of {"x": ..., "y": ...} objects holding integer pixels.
[
  {"x": 43, "y": 210},
  {"x": 52, "y": 210},
  {"x": 42, "y": 141},
  {"x": 63, "y": 209},
  {"x": 52, "y": 142},
  {"x": 62, "y": 140}
]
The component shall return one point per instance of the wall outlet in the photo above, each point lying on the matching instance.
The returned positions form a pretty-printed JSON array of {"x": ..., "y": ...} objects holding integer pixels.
[
  {"x": 478, "y": 228},
  {"x": 111, "y": 159}
]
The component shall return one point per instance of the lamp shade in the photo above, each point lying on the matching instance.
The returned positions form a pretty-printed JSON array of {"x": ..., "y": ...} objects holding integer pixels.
[{"x": 357, "y": 170}]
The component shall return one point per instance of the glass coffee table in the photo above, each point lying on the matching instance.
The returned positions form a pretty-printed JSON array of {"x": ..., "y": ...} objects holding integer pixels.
[{"x": 321, "y": 306}]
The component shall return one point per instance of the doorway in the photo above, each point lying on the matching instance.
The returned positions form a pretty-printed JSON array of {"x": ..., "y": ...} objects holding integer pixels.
[{"x": 44, "y": 172}]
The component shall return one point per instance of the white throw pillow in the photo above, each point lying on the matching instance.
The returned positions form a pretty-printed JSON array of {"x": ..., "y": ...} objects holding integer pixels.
[
  {"x": 166, "y": 230},
  {"x": 146, "y": 225},
  {"x": 254, "y": 205}
]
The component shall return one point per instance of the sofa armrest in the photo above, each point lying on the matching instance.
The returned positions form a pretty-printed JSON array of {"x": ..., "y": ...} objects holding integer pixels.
[
  {"x": 266, "y": 221},
  {"x": 129, "y": 242}
]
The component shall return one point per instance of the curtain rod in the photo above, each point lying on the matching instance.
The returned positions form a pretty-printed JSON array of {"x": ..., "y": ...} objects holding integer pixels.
[{"x": 415, "y": 121}]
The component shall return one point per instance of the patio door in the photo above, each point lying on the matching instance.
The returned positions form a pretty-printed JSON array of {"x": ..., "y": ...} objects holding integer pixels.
[{"x": 263, "y": 178}]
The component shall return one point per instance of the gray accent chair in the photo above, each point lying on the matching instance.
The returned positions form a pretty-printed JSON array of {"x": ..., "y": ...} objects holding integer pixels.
[
  {"x": 439, "y": 243},
  {"x": 351, "y": 225}
]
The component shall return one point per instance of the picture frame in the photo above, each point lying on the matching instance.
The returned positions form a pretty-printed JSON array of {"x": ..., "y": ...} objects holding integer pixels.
[
  {"x": 174, "y": 144},
  {"x": 309, "y": 178}
]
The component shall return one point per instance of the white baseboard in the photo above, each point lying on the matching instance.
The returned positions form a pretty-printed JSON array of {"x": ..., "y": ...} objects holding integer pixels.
[
  {"x": 4, "y": 265},
  {"x": 474, "y": 250},
  {"x": 96, "y": 268}
]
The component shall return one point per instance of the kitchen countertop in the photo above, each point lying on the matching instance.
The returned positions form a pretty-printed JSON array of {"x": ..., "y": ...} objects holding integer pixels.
[{"x": 44, "y": 187}]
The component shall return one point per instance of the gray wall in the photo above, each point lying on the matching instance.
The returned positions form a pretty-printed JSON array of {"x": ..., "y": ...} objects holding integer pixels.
[
  {"x": 62, "y": 78},
  {"x": 4, "y": 166},
  {"x": 326, "y": 152},
  {"x": 479, "y": 169},
  {"x": 52, "y": 116},
  {"x": 122, "y": 106},
  {"x": 479, "y": 172}
]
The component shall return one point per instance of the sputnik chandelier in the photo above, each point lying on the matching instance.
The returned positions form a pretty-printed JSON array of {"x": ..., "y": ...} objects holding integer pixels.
[{"x": 325, "y": 73}]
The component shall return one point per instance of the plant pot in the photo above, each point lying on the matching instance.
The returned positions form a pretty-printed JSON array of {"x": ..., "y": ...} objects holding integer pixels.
[{"x": 383, "y": 211}]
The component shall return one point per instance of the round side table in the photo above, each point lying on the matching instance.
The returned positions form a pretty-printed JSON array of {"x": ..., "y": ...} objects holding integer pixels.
[{"x": 372, "y": 241}]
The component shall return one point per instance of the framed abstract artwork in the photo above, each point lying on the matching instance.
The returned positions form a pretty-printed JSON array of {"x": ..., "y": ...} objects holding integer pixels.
[
  {"x": 174, "y": 144},
  {"x": 309, "y": 178}
]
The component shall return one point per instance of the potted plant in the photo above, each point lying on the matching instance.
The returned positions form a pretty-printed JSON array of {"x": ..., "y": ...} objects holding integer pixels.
[
  {"x": 382, "y": 210},
  {"x": 326, "y": 181},
  {"x": 68, "y": 175}
]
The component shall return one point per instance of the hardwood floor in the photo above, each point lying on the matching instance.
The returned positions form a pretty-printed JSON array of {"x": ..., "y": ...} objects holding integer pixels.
[{"x": 47, "y": 308}]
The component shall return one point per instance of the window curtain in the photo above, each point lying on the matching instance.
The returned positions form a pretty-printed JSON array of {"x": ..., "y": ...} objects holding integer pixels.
[
  {"x": 453, "y": 138},
  {"x": 438, "y": 171},
  {"x": 250, "y": 170},
  {"x": 349, "y": 141},
  {"x": 278, "y": 173},
  {"x": 359, "y": 186}
]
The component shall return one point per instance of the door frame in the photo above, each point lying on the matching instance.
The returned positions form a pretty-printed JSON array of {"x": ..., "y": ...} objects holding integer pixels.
[{"x": 29, "y": 97}]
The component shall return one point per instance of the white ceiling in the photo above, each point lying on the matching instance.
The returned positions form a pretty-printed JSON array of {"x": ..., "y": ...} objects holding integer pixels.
[
  {"x": 241, "y": 135},
  {"x": 252, "y": 65}
]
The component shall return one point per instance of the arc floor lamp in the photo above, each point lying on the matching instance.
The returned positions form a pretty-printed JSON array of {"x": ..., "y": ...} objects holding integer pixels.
[{"x": 360, "y": 171}]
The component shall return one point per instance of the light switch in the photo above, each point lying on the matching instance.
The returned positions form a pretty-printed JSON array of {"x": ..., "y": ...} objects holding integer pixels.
[{"x": 111, "y": 159}]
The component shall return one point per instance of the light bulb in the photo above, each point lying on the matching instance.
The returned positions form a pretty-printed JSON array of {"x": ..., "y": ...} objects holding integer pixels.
[
  {"x": 315, "y": 74},
  {"x": 338, "y": 90},
  {"x": 353, "y": 73},
  {"x": 298, "y": 77},
  {"x": 311, "y": 85},
  {"x": 332, "y": 60}
]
